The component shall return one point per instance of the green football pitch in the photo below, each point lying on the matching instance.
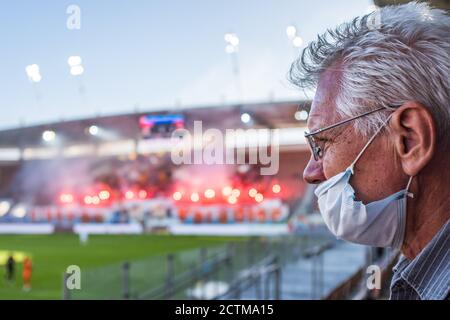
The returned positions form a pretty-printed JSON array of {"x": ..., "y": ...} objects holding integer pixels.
[{"x": 51, "y": 254}]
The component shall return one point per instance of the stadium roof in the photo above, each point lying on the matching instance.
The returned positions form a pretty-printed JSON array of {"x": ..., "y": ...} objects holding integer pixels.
[{"x": 267, "y": 115}]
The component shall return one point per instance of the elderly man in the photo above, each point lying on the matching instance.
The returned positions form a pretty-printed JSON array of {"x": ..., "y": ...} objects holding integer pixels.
[{"x": 379, "y": 132}]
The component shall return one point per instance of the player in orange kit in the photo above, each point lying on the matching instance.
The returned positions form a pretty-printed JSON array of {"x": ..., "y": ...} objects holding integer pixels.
[{"x": 26, "y": 274}]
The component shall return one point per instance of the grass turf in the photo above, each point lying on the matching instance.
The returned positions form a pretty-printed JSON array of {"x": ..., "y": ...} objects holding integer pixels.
[{"x": 53, "y": 253}]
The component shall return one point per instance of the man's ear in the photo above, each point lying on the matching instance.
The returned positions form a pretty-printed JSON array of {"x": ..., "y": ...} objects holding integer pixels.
[{"x": 414, "y": 135}]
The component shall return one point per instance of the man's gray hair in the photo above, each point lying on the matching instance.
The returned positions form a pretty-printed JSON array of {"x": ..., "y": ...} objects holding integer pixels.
[{"x": 386, "y": 58}]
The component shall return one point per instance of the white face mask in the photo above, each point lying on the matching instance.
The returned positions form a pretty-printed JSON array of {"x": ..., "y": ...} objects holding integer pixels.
[{"x": 380, "y": 223}]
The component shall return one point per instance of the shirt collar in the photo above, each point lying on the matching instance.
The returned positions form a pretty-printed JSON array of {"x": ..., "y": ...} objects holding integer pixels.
[{"x": 428, "y": 273}]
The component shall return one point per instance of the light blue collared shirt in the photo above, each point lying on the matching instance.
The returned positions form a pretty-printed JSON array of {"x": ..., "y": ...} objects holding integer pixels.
[{"x": 427, "y": 277}]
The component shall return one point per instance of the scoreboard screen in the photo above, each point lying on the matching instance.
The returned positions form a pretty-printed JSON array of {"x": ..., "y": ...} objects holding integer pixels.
[{"x": 160, "y": 125}]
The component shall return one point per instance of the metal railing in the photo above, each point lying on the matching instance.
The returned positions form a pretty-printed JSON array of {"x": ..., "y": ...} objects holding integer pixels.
[
  {"x": 259, "y": 277},
  {"x": 194, "y": 274},
  {"x": 206, "y": 268}
]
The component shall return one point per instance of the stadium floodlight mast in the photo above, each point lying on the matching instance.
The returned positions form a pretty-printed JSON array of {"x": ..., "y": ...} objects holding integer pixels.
[
  {"x": 232, "y": 41},
  {"x": 295, "y": 40},
  {"x": 76, "y": 68},
  {"x": 33, "y": 73},
  {"x": 291, "y": 32},
  {"x": 34, "y": 76},
  {"x": 232, "y": 48}
]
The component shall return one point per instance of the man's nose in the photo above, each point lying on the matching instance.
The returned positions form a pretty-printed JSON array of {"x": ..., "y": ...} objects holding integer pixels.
[{"x": 313, "y": 172}]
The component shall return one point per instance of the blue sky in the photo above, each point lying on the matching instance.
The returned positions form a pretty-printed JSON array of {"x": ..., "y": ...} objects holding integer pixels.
[{"x": 150, "y": 54}]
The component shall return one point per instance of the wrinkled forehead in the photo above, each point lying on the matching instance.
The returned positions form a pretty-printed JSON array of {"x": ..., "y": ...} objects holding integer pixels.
[{"x": 323, "y": 108}]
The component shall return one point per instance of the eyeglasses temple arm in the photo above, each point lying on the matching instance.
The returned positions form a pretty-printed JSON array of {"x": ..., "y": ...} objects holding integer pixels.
[{"x": 342, "y": 122}]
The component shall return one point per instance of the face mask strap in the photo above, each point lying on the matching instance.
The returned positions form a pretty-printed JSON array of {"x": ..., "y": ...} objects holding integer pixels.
[
  {"x": 409, "y": 194},
  {"x": 370, "y": 141}
]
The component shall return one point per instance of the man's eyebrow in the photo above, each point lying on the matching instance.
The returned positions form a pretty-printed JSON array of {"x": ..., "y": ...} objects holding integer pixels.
[
  {"x": 316, "y": 125},
  {"x": 328, "y": 134},
  {"x": 322, "y": 135},
  {"x": 316, "y": 122}
]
